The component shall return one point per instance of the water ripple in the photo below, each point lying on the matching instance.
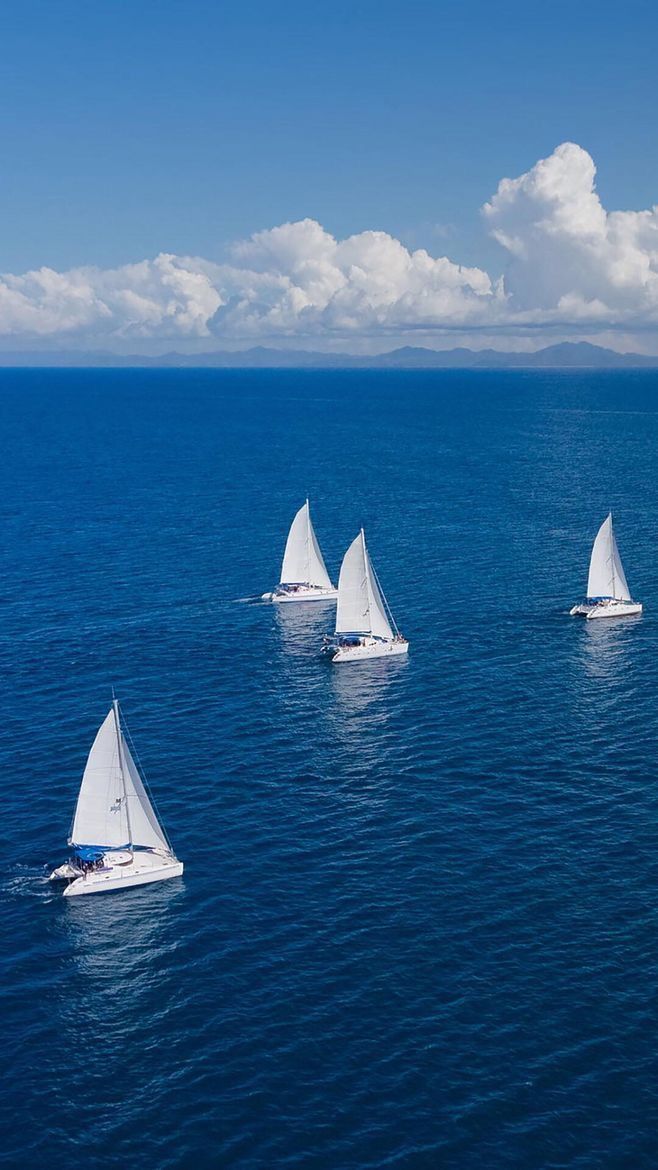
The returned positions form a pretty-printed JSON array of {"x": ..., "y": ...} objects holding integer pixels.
[{"x": 418, "y": 922}]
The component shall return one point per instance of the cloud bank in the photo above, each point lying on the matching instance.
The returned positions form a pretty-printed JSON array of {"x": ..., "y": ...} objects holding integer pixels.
[{"x": 569, "y": 265}]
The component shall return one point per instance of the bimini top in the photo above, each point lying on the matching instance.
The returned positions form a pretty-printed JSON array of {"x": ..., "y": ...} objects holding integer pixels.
[
  {"x": 607, "y": 579},
  {"x": 303, "y": 563},
  {"x": 113, "y": 809},
  {"x": 361, "y": 608},
  {"x": 91, "y": 852}
]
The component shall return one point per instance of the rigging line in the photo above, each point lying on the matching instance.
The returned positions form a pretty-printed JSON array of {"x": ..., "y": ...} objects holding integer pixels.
[
  {"x": 611, "y": 560},
  {"x": 117, "y": 727},
  {"x": 308, "y": 542},
  {"x": 383, "y": 596},
  {"x": 147, "y": 787},
  {"x": 366, "y": 581}
]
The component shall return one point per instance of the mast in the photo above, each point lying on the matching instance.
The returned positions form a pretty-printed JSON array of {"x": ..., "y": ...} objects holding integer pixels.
[
  {"x": 117, "y": 725},
  {"x": 612, "y": 556},
  {"x": 365, "y": 565},
  {"x": 308, "y": 542},
  {"x": 370, "y": 569}
]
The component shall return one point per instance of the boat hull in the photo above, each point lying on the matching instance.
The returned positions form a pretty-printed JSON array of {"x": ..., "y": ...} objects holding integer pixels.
[
  {"x": 366, "y": 653},
  {"x": 145, "y": 868},
  {"x": 310, "y": 594},
  {"x": 606, "y": 609}
]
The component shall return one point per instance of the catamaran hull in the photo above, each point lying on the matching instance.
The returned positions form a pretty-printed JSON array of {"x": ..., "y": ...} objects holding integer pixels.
[
  {"x": 105, "y": 881},
  {"x": 607, "y": 610},
  {"x": 302, "y": 595},
  {"x": 366, "y": 653}
]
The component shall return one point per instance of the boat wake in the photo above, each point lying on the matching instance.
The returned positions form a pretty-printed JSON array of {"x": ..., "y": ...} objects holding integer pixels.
[{"x": 27, "y": 881}]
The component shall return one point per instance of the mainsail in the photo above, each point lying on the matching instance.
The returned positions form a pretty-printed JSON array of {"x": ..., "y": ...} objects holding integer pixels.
[
  {"x": 101, "y": 812},
  {"x": 303, "y": 563},
  {"x": 113, "y": 809},
  {"x": 361, "y": 608},
  {"x": 606, "y": 572}
]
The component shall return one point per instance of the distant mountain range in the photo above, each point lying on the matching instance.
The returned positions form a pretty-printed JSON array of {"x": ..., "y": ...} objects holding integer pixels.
[{"x": 567, "y": 355}]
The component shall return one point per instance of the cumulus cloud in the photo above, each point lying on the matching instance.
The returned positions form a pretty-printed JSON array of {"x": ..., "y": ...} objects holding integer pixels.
[
  {"x": 165, "y": 296},
  {"x": 569, "y": 262},
  {"x": 298, "y": 278},
  {"x": 569, "y": 257}
]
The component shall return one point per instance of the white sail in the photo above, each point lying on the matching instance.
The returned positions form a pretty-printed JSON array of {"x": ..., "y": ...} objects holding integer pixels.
[
  {"x": 145, "y": 828},
  {"x": 361, "y": 607},
  {"x": 101, "y": 814},
  {"x": 606, "y": 573},
  {"x": 303, "y": 563},
  {"x": 113, "y": 808}
]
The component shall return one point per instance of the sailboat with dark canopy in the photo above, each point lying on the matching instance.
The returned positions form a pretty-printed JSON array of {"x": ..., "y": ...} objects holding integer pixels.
[{"x": 116, "y": 838}]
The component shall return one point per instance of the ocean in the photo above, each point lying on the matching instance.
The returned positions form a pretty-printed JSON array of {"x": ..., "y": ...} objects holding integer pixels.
[{"x": 417, "y": 928}]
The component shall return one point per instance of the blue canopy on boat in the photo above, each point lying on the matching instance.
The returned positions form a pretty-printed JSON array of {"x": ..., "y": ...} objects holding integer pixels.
[{"x": 93, "y": 852}]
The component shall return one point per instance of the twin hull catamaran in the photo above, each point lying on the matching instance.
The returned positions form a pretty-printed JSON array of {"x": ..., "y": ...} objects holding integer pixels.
[
  {"x": 608, "y": 594},
  {"x": 365, "y": 627},
  {"x": 116, "y": 836},
  {"x": 304, "y": 575}
]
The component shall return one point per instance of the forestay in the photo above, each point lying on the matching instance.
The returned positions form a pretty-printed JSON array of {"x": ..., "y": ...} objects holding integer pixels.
[
  {"x": 303, "y": 563},
  {"x": 606, "y": 573},
  {"x": 361, "y": 607}
]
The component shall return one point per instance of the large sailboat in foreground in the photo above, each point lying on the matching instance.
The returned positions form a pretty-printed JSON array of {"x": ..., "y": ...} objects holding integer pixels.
[
  {"x": 304, "y": 575},
  {"x": 608, "y": 594},
  {"x": 365, "y": 627},
  {"x": 116, "y": 837}
]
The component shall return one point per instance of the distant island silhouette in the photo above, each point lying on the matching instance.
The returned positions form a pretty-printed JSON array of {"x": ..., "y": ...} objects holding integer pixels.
[{"x": 566, "y": 355}]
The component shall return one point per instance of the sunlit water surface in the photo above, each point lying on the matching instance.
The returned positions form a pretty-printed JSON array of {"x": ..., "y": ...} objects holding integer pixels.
[{"x": 418, "y": 925}]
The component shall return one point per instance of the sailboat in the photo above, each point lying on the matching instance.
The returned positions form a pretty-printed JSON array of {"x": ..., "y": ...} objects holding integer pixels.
[
  {"x": 116, "y": 837},
  {"x": 365, "y": 627},
  {"x": 304, "y": 575},
  {"x": 608, "y": 594}
]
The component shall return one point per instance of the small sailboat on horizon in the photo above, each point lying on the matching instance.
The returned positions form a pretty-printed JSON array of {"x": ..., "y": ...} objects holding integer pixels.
[
  {"x": 608, "y": 594},
  {"x": 116, "y": 837},
  {"x": 304, "y": 575},
  {"x": 365, "y": 627}
]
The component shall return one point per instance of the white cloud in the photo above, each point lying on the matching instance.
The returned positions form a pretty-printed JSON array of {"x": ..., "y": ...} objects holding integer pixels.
[
  {"x": 298, "y": 279},
  {"x": 163, "y": 296},
  {"x": 571, "y": 265},
  {"x": 570, "y": 258}
]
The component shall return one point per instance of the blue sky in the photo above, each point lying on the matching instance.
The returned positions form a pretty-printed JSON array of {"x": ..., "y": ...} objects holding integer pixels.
[{"x": 131, "y": 129}]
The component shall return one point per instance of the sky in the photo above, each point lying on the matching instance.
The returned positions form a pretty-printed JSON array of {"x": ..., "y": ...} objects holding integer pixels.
[{"x": 327, "y": 176}]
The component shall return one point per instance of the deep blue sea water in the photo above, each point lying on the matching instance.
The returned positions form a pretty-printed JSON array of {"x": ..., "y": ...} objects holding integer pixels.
[{"x": 418, "y": 926}]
